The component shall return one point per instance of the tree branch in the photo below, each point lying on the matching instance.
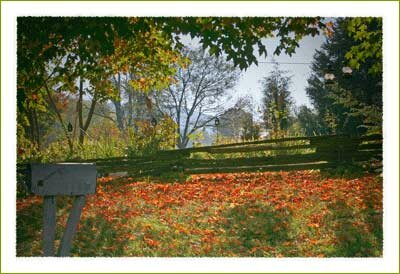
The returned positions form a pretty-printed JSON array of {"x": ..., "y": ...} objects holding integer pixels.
[{"x": 58, "y": 114}]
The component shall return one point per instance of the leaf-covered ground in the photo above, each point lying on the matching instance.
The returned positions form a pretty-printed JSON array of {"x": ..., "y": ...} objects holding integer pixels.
[{"x": 271, "y": 214}]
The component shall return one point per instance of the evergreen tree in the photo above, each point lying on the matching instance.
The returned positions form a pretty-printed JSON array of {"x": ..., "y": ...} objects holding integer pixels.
[
  {"x": 309, "y": 122},
  {"x": 277, "y": 102},
  {"x": 353, "y": 101}
]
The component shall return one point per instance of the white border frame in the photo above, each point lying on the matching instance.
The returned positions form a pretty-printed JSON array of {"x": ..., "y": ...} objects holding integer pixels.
[{"x": 388, "y": 10}]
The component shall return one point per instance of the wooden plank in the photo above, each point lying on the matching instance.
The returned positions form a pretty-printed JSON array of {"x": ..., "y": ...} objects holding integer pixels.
[
  {"x": 102, "y": 159},
  {"x": 168, "y": 165},
  {"x": 63, "y": 179},
  {"x": 247, "y": 160},
  {"x": 380, "y": 141},
  {"x": 258, "y": 148},
  {"x": 331, "y": 139},
  {"x": 280, "y": 159},
  {"x": 371, "y": 137},
  {"x": 343, "y": 143},
  {"x": 317, "y": 165},
  {"x": 49, "y": 225},
  {"x": 211, "y": 151},
  {"x": 242, "y": 161},
  {"x": 134, "y": 160},
  {"x": 161, "y": 161},
  {"x": 370, "y": 146},
  {"x": 72, "y": 224},
  {"x": 150, "y": 157},
  {"x": 268, "y": 141}
]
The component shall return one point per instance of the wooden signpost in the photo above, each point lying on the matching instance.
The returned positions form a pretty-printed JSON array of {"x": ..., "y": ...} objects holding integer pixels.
[{"x": 50, "y": 180}]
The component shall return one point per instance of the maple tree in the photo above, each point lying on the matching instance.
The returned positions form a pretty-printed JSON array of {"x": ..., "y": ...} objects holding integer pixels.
[
  {"x": 83, "y": 63},
  {"x": 367, "y": 34}
]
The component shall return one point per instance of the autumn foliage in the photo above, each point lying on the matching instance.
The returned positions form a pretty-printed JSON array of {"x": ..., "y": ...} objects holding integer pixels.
[{"x": 271, "y": 214}]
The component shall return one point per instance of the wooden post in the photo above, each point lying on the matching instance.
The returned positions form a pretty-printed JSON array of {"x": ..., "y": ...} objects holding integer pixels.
[
  {"x": 50, "y": 180},
  {"x": 49, "y": 225},
  {"x": 72, "y": 224}
]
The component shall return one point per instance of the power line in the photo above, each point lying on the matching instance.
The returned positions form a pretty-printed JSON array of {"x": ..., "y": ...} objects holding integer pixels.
[{"x": 284, "y": 63}]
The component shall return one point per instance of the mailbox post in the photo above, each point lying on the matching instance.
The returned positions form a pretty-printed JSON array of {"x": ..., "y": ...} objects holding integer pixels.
[{"x": 51, "y": 180}]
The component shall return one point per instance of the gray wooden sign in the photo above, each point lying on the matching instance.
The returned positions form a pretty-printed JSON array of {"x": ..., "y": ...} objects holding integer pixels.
[
  {"x": 63, "y": 179},
  {"x": 50, "y": 180}
]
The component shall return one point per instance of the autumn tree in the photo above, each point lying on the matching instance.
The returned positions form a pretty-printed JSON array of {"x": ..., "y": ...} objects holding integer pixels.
[
  {"x": 237, "y": 37},
  {"x": 46, "y": 48},
  {"x": 78, "y": 55},
  {"x": 197, "y": 97},
  {"x": 277, "y": 101},
  {"x": 83, "y": 64},
  {"x": 366, "y": 33}
]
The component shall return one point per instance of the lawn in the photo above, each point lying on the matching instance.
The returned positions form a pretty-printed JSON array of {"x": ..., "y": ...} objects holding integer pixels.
[{"x": 269, "y": 214}]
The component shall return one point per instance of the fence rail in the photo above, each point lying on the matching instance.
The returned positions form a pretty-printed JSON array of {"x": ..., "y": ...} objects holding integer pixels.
[{"x": 294, "y": 153}]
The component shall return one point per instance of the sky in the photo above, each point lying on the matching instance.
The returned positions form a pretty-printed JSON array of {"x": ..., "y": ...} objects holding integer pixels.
[{"x": 249, "y": 82}]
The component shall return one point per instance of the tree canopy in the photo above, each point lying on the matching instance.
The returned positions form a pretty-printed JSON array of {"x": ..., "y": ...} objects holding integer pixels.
[
  {"x": 353, "y": 100},
  {"x": 78, "y": 55},
  {"x": 367, "y": 35},
  {"x": 42, "y": 37}
]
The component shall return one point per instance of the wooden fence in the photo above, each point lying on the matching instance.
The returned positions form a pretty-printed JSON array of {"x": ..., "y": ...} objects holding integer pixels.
[{"x": 296, "y": 153}]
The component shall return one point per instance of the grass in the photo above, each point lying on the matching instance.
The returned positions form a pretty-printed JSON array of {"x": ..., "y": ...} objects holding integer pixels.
[{"x": 270, "y": 214}]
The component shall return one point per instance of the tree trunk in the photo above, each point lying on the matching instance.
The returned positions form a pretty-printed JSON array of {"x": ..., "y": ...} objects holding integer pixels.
[
  {"x": 37, "y": 130},
  {"x": 33, "y": 131},
  {"x": 31, "y": 128},
  {"x": 120, "y": 116},
  {"x": 182, "y": 142},
  {"x": 84, "y": 126},
  {"x": 70, "y": 144},
  {"x": 130, "y": 110},
  {"x": 80, "y": 112},
  {"x": 118, "y": 108},
  {"x": 88, "y": 119},
  {"x": 176, "y": 137}
]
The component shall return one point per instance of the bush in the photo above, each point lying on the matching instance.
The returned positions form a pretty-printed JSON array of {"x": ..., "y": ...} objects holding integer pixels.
[{"x": 148, "y": 139}]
